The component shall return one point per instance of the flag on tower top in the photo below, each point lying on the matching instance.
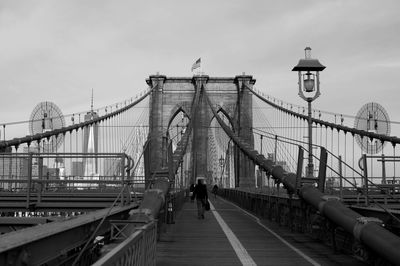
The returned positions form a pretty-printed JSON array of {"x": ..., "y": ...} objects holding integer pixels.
[{"x": 196, "y": 64}]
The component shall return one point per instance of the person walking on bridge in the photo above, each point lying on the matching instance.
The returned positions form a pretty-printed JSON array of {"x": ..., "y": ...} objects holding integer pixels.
[
  {"x": 215, "y": 191},
  {"x": 200, "y": 193},
  {"x": 191, "y": 189}
]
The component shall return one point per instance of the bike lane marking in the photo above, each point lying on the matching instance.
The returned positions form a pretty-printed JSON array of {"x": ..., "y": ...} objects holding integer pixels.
[
  {"x": 258, "y": 221},
  {"x": 239, "y": 249}
]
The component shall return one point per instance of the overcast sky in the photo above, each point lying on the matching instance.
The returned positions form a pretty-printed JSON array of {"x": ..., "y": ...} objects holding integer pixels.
[{"x": 59, "y": 50}]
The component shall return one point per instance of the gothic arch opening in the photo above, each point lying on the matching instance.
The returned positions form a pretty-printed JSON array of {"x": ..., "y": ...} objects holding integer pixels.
[
  {"x": 177, "y": 126},
  {"x": 220, "y": 152}
]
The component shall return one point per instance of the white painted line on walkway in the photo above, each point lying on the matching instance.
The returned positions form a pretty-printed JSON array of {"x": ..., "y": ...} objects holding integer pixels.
[
  {"x": 307, "y": 258},
  {"x": 241, "y": 252}
]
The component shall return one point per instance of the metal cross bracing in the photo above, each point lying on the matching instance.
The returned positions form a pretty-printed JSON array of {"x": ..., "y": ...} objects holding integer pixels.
[{"x": 137, "y": 146}]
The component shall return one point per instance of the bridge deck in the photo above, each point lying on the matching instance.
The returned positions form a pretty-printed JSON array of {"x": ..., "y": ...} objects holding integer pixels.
[{"x": 208, "y": 242}]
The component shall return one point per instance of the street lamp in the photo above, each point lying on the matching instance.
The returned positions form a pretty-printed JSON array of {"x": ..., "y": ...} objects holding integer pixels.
[
  {"x": 221, "y": 164},
  {"x": 308, "y": 70}
]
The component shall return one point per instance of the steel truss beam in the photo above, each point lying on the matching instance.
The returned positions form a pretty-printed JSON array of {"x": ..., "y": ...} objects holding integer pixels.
[
  {"x": 10, "y": 224},
  {"x": 44, "y": 243},
  {"x": 58, "y": 201}
]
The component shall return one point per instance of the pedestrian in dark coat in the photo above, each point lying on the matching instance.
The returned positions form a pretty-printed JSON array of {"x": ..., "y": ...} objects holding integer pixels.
[
  {"x": 191, "y": 189},
  {"x": 215, "y": 190},
  {"x": 200, "y": 193}
]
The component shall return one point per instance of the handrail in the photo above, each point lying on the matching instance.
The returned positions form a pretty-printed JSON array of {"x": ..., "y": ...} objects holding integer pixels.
[{"x": 138, "y": 249}]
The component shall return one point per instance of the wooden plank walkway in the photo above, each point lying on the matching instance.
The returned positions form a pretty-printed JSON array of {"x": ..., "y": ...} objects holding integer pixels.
[{"x": 193, "y": 242}]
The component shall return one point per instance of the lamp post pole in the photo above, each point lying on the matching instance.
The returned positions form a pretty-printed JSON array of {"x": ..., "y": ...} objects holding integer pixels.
[
  {"x": 310, "y": 143},
  {"x": 307, "y": 84}
]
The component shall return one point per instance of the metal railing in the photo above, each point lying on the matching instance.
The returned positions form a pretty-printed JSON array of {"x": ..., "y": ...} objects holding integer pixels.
[{"x": 138, "y": 249}]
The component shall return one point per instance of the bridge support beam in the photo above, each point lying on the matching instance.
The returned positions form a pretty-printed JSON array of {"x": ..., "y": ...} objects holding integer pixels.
[
  {"x": 200, "y": 132},
  {"x": 245, "y": 169},
  {"x": 169, "y": 95},
  {"x": 157, "y": 148}
]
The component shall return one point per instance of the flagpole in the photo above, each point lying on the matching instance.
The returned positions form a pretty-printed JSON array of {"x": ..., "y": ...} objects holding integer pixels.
[
  {"x": 197, "y": 67},
  {"x": 201, "y": 68}
]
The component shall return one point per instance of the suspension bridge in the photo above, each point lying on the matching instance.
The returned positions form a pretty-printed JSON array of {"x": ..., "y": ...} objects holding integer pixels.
[{"x": 110, "y": 187}]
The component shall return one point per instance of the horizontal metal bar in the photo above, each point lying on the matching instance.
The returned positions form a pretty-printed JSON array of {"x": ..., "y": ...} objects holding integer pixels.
[
  {"x": 61, "y": 155},
  {"x": 77, "y": 181},
  {"x": 66, "y": 201},
  {"x": 26, "y": 220},
  {"x": 382, "y": 157}
]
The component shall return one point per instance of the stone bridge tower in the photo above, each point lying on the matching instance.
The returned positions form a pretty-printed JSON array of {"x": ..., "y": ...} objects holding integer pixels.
[{"x": 172, "y": 95}]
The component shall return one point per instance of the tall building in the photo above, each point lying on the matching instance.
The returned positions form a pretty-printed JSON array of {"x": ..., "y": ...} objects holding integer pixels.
[
  {"x": 77, "y": 169},
  {"x": 6, "y": 150},
  {"x": 91, "y": 142},
  {"x": 11, "y": 168},
  {"x": 112, "y": 168},
  {"x": 90, "y": 162},
  {"x": 31, "y": 148},
  {"x": 53, "y": 173}
]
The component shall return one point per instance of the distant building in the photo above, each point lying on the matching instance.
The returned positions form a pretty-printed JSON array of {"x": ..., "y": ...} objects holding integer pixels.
[
  {"x": 53, "y": 173},
  {"x": 34, "y": 149},
  {"x": 6, "y": 150},
  {"x": 77, "y": 169},
  {"x": 11, "y": 168},
  {"x": 91, "y": 143},
  {"x": 260, "y": 178},
  {"x": 284, "y": 165},
  {"x": 35, "y": 170},
  {"x": 112, "y": 168}
]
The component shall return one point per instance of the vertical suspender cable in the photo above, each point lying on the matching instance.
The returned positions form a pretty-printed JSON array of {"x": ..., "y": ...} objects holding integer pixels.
[
  {"x": 394, "y": 163},
  {"x": 352, "y": 166},
  {"x": 332, "y": 132},
  {"x": 345, "y": 152}
]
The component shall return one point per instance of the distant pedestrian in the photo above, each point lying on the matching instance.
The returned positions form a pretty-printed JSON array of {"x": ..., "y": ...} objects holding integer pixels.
[
  {"x": 191, "y": 189},
  {"x": 215, "y": 191},
  {"x": 200, "y": 193}
]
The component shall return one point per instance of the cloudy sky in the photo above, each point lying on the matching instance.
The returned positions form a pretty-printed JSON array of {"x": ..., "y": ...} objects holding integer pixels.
[{"x": 59, "y": 50}]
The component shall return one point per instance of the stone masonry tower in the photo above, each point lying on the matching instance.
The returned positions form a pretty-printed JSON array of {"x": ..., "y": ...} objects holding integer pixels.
[{"x": 173, "y": 94}]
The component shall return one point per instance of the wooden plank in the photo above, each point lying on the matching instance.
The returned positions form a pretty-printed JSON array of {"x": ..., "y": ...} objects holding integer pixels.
[
  {"x": 191, "y": 241},
  {"x": 202, "y": 242}
]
